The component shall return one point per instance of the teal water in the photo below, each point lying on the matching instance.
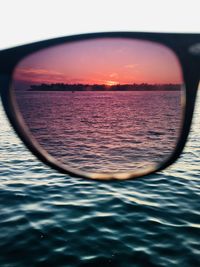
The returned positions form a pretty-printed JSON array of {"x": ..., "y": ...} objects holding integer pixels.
[{"x": 49, "y": 219}]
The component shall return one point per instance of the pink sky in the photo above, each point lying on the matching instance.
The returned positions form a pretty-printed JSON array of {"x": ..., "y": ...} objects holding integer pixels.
[{"x": 101, "y": 61}]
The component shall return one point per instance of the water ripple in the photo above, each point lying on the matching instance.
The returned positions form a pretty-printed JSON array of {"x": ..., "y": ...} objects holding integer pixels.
[{"x": 48, "y": 219}]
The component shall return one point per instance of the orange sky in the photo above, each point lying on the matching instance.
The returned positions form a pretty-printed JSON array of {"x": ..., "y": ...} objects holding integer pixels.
[{"x": 101, "y": 61}]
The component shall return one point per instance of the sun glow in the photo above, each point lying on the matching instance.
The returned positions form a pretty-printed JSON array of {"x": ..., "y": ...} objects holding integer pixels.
[{"x": 111, "y": 83}]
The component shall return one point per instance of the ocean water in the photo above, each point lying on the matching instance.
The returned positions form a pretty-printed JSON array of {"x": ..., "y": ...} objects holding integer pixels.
[
  {"x": 49, "y": 219},
  {"x": 108, "y": 131}
]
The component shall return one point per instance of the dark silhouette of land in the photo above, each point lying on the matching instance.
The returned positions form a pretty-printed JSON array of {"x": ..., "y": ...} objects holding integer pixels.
[{"x": 103, "y": 87}]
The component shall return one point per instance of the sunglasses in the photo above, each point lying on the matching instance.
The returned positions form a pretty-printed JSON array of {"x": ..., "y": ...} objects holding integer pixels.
[{"x": 104, "y": 105}]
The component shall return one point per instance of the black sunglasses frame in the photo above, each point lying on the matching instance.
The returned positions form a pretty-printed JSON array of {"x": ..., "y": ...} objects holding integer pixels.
[{"x": 185, "y": 46}]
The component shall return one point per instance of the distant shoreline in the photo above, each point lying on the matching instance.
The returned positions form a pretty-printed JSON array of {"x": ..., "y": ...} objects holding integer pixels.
[{"x": 102, "y": 87}]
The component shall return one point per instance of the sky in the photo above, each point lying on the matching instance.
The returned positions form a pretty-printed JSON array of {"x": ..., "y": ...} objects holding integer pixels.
[
  {"x": 108, "y": 61},
  {"x": 27, "y": 22}
]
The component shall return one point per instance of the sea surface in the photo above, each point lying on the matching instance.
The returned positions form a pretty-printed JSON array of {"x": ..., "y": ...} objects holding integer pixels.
[
  {"x": 49, "y": 219},
  {"x": 105, "y": 131}
]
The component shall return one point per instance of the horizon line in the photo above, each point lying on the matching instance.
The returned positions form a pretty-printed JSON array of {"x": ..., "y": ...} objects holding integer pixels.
[{"x": 104, "y": 84}]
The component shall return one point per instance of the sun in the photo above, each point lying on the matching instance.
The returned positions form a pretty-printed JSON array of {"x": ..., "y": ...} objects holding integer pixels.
[{"x": 110, "y": 83}]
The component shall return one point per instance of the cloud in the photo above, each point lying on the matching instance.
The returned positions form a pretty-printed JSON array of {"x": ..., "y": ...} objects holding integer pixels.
[
  {"x": 130, "y": 66},
  {"x": 38, "y": 75},
  {"x": 113, "y": 75},
  {"x": 32, "y": 71}
]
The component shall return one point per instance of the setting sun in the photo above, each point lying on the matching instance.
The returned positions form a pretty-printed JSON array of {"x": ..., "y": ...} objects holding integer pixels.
[{"x": 111, "y": 83}]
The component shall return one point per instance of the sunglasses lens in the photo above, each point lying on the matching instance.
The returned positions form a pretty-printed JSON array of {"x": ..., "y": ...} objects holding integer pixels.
[{"x": 105, "y": 105}]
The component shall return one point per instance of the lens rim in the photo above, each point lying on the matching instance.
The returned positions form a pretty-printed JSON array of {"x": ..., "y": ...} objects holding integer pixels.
[{"x": 11, "y": 58}]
